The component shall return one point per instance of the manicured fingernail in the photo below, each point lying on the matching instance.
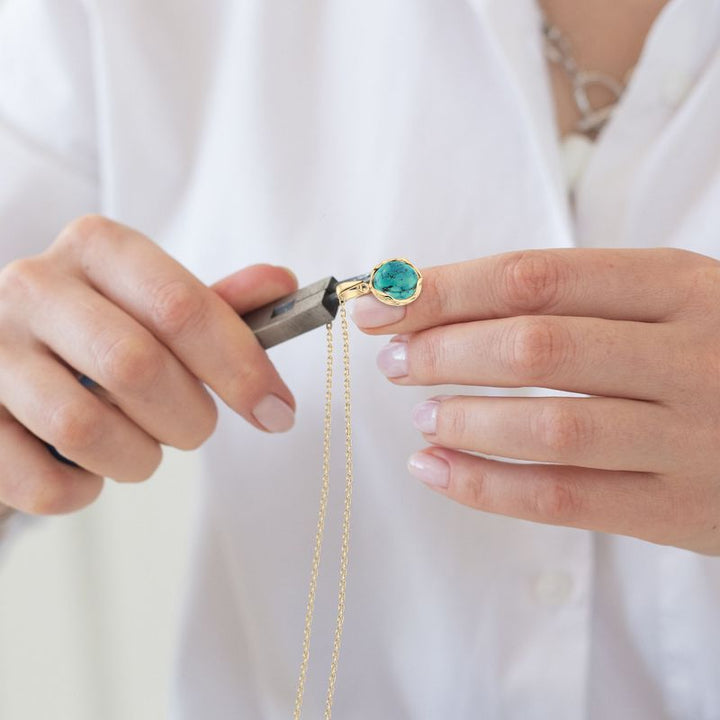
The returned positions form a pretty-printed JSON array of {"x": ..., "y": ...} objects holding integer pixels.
[
  {"x": 369, "y": 312},
  {"x": 425, "y": 416},
  {"x": 274, "y": 414},
  {"x": 431, "y": 469},
  {"x": 392, "y": 360}
]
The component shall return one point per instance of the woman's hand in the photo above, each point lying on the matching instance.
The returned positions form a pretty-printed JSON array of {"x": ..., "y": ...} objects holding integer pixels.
[
  {"x": 638, "y": 330},
  {"x": 105, "y": 302}
]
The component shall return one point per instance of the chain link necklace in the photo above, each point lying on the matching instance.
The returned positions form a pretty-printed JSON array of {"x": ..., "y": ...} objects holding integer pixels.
[
  {"x": 393, "y": 282},
  {"x": 558, "y": 50},
  {"x": 324, "y": 493}
]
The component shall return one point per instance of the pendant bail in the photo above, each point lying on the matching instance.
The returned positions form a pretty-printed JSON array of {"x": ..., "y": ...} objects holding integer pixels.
[{"x": 355, "y": 287}]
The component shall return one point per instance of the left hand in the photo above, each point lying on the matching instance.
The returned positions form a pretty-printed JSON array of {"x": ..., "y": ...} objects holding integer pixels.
[{"x": 637, "y": 330}]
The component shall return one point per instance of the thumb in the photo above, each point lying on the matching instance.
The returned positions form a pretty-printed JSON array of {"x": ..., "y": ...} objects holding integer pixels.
[{"x": 255, "y": 286}]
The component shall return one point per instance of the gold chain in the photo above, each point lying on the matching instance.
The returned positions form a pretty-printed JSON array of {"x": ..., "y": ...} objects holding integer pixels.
[
  {"x": 345, "y": 544},
  {"x": 324, "y": 490}
]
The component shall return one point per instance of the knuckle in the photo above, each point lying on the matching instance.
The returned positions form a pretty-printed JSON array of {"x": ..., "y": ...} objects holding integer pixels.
[
  {"x": 152, "y": 458},
  {"x": 562, "y": 430},
  {"x": 452, "y": 421},
  {"x": 477, "y": 493},
  {"x": 436, "y": 296},
  {"x": 532, "y": 281},
  {"x": 176, "y": 308},
  {"x": 52, "y": 495},
  {"x": 209, "y": 426},
  {"x": 246, "y": 383},
  {"x": 152, "y": 468},
  {"x": 556, "y": 501},
  {"x": 22, "y": 278},
  {"x": 84, "y": 229},
  {"x": 202, "y": 430},
  {"x": 73, "y": 427},
  {"x": 130, "y": 364},
  {"x": 534, "y": 349},
  {"x": 48, "y": 497},
  {"x": 426, "y": 357}
]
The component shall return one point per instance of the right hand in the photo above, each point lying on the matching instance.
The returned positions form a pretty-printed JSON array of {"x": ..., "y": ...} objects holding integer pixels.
[{"x": 106, "y": 302}]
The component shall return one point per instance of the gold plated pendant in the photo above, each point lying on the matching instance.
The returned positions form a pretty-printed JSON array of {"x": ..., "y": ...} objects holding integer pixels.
[{"x": 393, "y": 282}]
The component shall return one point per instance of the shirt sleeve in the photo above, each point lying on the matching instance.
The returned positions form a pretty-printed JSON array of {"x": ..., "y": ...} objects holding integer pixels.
[{"x": 48, "y": 147}]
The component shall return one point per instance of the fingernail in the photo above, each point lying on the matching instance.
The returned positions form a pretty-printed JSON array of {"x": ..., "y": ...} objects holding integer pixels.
[
  {"x": 432, "y": 470},
  {"x": 392, "y": 360},
  {"x": 274, "y": 415},
  {"x": 369, "y": 312},
  {"x": 425, "y": 416}
]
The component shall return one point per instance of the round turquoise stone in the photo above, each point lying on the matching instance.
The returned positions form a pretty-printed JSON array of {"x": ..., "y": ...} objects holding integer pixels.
[{"x": 396, "y": 279}]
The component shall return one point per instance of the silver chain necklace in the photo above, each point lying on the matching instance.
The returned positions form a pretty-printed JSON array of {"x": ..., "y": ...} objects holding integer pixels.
[{"x": 558, "y": 49}]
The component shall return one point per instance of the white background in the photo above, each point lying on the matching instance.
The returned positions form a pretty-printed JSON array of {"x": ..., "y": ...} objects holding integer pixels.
[{"x": 89, "y": 603}]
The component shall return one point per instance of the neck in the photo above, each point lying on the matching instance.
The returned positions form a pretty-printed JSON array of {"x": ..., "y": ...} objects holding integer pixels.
[{"x": 606, "y": 37}]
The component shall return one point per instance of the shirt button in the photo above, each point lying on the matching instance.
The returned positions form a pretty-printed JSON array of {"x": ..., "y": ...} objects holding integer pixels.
[
  {"x": 553, "y": 587},
  {"x": 676, "y": 87}
]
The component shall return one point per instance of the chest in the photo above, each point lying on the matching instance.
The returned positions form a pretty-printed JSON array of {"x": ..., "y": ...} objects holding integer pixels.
[{"x": 325, "y": 134}]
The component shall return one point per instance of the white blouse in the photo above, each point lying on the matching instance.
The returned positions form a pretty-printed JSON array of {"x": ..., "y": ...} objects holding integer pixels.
[{"x": 327, "y": 135}]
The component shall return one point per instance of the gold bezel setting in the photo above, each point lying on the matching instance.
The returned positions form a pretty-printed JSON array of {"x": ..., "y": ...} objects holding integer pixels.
[
  {"x": 364, "y": 285},
  {"x": 389, "y": 299}
]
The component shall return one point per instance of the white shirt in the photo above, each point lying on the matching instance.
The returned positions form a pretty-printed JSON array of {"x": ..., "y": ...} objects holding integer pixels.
[{"x": 327, "y": 135}]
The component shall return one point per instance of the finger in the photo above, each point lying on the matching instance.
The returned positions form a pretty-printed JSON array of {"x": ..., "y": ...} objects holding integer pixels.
[
  {"x": 586, "y": 355},
  {"x": 137, "y": 372},
  {"x": 32, "y": 481},
  {"x": 47, "y": 399},
  {"x": 602, "y": 433},
  {"x": 646, "y": 285},
  {"x": 625, "y": 503},
  {"x": 255, "y": 286},
  {"x": 198, "y": 326}
]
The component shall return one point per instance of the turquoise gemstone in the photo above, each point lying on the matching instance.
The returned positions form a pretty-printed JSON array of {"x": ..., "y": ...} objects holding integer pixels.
[{"x": 396, "y": 279}]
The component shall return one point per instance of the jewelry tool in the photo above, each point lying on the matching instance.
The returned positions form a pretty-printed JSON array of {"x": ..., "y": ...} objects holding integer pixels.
[{"x": 394, "y": 282}]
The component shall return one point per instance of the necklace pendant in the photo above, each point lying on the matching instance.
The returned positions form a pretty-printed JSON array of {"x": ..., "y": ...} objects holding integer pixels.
[
  {"x": 393, "y": 282},
  {"x": 396, "y": 282}
]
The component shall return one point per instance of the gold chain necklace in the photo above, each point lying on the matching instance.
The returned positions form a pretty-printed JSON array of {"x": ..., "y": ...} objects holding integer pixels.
[
  {"x": 393, "y": 282},
  {"x": 345, "y": 543}
]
